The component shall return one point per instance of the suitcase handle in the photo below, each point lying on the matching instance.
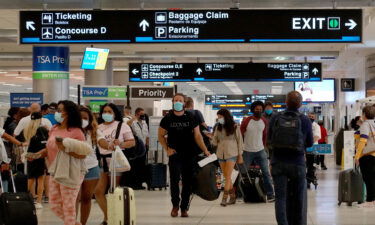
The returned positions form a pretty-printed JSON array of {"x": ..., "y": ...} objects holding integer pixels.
[
  {"x": 245, "y": 168},
  {"x": 11, "y": 178},
  {"x": 113, "y": 174}
]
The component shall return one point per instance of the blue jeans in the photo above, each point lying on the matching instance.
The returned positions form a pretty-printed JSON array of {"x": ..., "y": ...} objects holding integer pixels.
[
  {"x": 260, "y": 158},
  {"x": 291, "y": 193}
]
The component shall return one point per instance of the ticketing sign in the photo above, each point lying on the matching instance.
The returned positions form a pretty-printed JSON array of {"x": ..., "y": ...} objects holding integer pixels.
[
  {"x": 183, "y": 72},
  {"x": 228, "y": 99},
  {"x": 191, "y": 26}
]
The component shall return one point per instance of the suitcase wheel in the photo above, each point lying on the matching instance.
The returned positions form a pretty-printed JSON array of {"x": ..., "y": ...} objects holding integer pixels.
[
  {"x": 160, "y": 189},
  {"x": 339, "y": 204},
  {"x": 360, "y": 202},
  {"x": 349, "y": 204}
]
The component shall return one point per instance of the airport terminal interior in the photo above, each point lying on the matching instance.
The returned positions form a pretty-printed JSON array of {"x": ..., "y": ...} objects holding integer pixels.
[{"x": 222, "y": 54}]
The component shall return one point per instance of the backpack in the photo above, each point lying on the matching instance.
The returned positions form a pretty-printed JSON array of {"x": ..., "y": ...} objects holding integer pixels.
[
  {"x": 287, "y": 133},
  {"x": 135, "y": 152}
]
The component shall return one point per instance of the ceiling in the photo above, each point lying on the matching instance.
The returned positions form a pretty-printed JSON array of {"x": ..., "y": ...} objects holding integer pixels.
[{"x": 15, "y": 59}]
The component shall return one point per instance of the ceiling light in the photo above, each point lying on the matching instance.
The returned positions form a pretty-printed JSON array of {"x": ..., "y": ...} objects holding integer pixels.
[
  {"x": 12, "y": 75},
  {"x": 2, "y": 72},
  {"x": 277, "y": 82},
  {"x": 280, "y": 58}
]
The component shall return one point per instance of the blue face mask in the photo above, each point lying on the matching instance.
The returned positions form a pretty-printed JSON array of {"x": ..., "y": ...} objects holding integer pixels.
[
  {"x": 58, "y": 117},
  {"x": 178, "y": 106},
  {"x": 107, "y": 117},
  {"x": 268, "y": 111}
]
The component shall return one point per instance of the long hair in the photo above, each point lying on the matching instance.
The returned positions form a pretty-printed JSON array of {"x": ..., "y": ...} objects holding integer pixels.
[
  {"x": 74, "y": 116},
  {"x": 116, "y": 111},
  {"x": 229, "y": 122},
  {"x": 32, "y": 127},
  {"x": 93, "y": 125}
]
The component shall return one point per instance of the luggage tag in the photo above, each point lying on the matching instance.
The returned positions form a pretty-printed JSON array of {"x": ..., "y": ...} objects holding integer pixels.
[{"x": 207, "y": 160}]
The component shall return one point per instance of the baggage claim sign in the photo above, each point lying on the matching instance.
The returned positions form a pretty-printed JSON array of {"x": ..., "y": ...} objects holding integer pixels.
[{"x": 191, "y": 26}]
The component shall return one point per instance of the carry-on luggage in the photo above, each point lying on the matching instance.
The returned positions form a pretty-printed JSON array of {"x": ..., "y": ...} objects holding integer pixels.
[
  {"x": 250, "y": 184},
  {"x": 350, "y": 187},
  {"x": 120, "y": 204},
  {"x": 16, "y": 208},
  {"x": 204, "y": 182},
  {"x": 157, "y": 173},
  {"x": 20, "y": 178}
]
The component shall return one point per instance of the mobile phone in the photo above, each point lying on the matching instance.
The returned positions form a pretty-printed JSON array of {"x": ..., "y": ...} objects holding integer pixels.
[{"x": 59, "y": 139}]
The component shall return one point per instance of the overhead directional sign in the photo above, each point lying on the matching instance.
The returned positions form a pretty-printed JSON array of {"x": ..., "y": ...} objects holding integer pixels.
[
  {"x": 279, "y": 99},
  {"x": 191, "y": 26},
  {"x": 183, "y": 72},
  {"x": 228, "y": 99}
]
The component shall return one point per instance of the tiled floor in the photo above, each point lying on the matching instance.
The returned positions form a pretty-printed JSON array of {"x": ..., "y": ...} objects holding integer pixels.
[{"x": 153, "y": 209}]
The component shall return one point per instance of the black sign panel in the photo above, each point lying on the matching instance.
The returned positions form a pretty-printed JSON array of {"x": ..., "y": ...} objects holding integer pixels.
[
  {"x": 228, "y": 99},
  {"x": 347, "y": 84},
  {"x": 182, "y": 72},
  {"x": 151, "y": 92},
  {"x": 191, "y": 26},
  {"x": 279, "y": 99}
]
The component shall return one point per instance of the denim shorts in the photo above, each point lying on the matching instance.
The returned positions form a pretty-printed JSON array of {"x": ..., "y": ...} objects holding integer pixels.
[
  {"x": 233, "y": 159},
  {"x": 93, "y": 173}
]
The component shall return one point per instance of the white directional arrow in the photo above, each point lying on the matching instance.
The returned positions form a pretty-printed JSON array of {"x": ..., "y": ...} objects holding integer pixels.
[
  {"x": 144, "y": 24},
  {"x": 199, "y": 71},
  {"x": 135, "y": 71},
  {"x": 29, "y": 25},
  {"x": 315, "y": 71},
  {"x": 351, "y": 24}
]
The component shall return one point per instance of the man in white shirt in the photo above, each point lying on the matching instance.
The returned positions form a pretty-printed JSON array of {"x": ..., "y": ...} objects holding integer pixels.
[
  {"x": 254, "y": 131},
  {"x": 310, "y": 158},
  {"x": 128, "y": 118},
  {"x": 35, "y": 107},
  {"x": 140, "y": 127}
]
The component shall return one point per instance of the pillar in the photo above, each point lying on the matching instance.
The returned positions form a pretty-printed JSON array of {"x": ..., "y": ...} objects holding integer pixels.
[
  {"x": 100, "y": 77},
  {"x": 51, "y": 72}
]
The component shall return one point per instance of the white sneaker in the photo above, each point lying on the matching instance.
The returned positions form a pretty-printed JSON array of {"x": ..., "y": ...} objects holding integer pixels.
[
  {"x": 366, "y": 205},
  {"x": 38, "y": 206}
]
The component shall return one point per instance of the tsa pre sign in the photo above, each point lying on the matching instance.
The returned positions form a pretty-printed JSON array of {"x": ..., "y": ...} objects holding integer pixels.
[
  {"x": 25, "y": 99},
  {"x": 51, "y": 58},
  {"x": 110, "y": 92}
]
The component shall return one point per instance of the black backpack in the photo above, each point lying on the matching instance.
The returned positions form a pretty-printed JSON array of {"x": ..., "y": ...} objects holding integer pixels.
[{"x": 287, "y": 133}]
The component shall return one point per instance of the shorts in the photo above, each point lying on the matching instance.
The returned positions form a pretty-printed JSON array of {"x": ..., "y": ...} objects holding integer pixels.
[
  {"x": 104, "y": 162},
  {"x": 93, "y": 173},
  {"x": 233, "y": 159}
]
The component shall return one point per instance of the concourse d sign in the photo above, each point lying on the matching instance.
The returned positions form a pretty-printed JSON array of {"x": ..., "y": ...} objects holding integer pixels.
[{"x": 191, "y": 26}]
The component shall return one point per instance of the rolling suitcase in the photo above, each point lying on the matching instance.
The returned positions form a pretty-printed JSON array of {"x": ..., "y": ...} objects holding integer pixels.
[
  {"x": 20, "y": 178},
  {"x": 157, "y": 173},
  {"x": 120, "y": 204},
  {"x": 350, "y": 187},
  {"x": 250, "y": 184},
  {"x": 16, "y": 208}
]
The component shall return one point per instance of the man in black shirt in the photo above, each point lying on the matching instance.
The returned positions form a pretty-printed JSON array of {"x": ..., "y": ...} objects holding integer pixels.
[{"x": 183, "y": 137}]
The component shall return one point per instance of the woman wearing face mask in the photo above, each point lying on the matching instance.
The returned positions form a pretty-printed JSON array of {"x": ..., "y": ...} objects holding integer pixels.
[
  {"x": 95, "y": 138},
  {"x": 62, "y": 196},
  {"x": 228, "y": 139},
  {"x": 268, "y": 110},
  {"x": 110, "y": 119}
]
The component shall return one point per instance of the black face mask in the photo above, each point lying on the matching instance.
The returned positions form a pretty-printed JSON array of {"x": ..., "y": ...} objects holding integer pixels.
[
  {"x": 257, "y": 114},
  {"x": 142, "y": 117},
  {"x": 312, "y": 120}
]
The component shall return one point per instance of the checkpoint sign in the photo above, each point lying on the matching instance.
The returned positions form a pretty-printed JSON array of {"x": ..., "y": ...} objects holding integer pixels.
[{"x": 191, "y": 26}]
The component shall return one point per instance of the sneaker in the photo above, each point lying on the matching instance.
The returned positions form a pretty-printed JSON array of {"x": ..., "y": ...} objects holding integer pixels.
[
  {"x": 174, "y": 212},
  {"x": 45, "y": 200},
  {"x": 367, "y": 205},
  {"x": 271, "y": 199},
  {"x": 324, "y": 167},
  {"x": 184, "y": 213},
  {"x": 38, "y": 205}
]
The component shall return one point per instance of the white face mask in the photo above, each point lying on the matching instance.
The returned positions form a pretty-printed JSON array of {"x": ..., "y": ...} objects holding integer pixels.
[
  {"x": 221, "y": 121},
  {"x": 85, "y": 123}
]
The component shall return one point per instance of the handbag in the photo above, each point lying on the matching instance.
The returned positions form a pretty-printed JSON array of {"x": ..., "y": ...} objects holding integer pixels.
[
  {"x": 119, "y": 162},
  {"x": 135, "y": 152}
]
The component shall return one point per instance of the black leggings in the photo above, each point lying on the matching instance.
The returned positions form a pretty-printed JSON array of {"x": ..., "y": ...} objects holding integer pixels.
[{"x": 367, "y": 165}]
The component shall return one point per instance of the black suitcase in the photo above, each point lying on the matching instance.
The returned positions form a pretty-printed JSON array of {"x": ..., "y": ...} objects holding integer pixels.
[
  {"x": 350, "y": 187},
  {"x": 157, "y": 173},
  {"x": 250, "y": 184},
  {"x": 17, "y": 208}
]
